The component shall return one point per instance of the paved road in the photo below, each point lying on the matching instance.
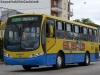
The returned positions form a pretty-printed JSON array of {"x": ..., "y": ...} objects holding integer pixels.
[{"x": 93, "y": 69}]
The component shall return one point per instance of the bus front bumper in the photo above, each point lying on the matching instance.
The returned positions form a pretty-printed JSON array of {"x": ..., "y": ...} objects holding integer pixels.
[{"x": 40, "y": 60}]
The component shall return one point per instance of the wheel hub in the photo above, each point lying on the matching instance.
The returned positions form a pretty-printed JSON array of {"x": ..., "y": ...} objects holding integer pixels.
[
  {"x": 87, "y": 59},
  {"x": 59, "y": 61}
]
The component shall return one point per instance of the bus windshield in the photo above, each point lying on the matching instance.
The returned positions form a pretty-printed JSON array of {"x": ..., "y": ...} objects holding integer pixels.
[{"x": 22, "y": 35}]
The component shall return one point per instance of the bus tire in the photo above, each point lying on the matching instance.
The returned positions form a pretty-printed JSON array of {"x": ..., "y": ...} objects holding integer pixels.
[
  {"x": 59, "y": 61},
  {"x": 87, "y": 59},
  {"x": 26, "y": 67}
]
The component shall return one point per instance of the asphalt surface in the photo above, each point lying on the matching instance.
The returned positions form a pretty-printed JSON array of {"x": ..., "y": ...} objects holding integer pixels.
[{"x": 92, "y": 69}]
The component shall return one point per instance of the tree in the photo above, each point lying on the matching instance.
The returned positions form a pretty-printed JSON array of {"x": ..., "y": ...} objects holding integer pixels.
[
  {"x": 77, "y": 20},
  {"x": 86, "y": 21}
]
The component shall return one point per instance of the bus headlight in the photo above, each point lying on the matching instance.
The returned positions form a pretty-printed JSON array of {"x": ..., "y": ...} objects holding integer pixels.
[
  {"x": 7, "y": 55},
  {"x": 35, "y": 55}
]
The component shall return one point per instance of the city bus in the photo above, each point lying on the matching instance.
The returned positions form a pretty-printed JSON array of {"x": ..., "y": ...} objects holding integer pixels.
[{"x": 33, "y": 40}]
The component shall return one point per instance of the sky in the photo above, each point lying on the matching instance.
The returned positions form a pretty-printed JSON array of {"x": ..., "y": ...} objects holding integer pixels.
[
  {"x": 86, "y": 9},
  {"x": 81, "y": 8}
]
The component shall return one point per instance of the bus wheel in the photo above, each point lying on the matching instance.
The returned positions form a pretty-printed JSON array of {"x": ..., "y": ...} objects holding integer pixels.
[
  {"x": 59, "y": 62},
  {"x": 87, "y": 59},
  {"x": 26, "y": 67}
]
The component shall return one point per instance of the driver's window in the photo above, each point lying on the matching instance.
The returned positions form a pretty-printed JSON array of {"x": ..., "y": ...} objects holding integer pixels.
[{"x": 50, "y": 22}]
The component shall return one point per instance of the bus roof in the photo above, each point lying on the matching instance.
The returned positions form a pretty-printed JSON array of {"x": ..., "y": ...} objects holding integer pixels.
[
  {"x": 69, "y": 21},
  {"x": 26, "y": 14},
  {"x": 57, "y": 18}
]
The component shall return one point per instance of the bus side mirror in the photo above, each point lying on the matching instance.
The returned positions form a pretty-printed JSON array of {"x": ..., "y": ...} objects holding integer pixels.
[
  {"x": 51, "y": 30},
  {"x": 3, "y": 24}
]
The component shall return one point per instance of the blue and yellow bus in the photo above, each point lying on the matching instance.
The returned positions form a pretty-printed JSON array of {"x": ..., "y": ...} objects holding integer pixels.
[{"x": 34, "y": 40}]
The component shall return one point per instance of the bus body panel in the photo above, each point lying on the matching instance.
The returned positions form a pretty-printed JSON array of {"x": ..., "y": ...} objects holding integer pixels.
[
  {"x": 41, "y": 60},
  {"x": 48, "y": 59}
]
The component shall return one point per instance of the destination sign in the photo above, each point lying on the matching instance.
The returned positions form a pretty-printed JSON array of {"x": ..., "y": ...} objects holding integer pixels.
[{"x": 19, "y": 19}]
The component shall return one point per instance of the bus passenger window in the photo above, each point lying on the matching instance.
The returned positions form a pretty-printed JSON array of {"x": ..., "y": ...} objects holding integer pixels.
[
  {"x": 60, "y": 29},
  {"x": 76, "y": 32},
  {"x": 84, "y": 35},
  {"x": 95, "y": 36},
  {"x": 69, "y": 31},
  {"x": 91, "y": 38}
]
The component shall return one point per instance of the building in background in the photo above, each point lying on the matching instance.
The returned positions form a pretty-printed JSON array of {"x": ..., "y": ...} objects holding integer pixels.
[{"x": 61, "y": 8}]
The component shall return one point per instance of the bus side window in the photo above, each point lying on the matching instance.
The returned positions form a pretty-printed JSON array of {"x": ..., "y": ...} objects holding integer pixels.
[
  {"x": 90, "y": 31},
  {"x": 77, "y": 32},
  {"x": 95, "y": 36},
  {"x": 69, "y": 31},
  {"x": 84, "y": 34},
  {"x": 60, "y": 29}
]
